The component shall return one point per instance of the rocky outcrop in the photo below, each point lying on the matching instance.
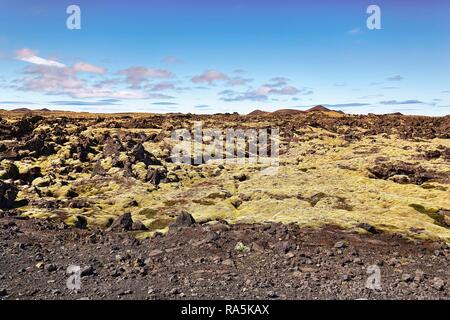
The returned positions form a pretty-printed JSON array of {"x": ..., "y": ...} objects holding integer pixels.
[{"x": 8, "y": 194}]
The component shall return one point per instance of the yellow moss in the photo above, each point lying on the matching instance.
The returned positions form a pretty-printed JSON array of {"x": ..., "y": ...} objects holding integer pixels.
[{"x": 337, "y": 171}]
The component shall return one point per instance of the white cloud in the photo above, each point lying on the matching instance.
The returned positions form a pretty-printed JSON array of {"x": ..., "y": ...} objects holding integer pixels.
[
  {"x": 135, "y": 76},
  {"x": 355, "y": 31},
  {"x": 30, "y": 56},
  {"x": 395, "y": 78},
  {"x": 88, "y": 68},
  {"x": 209, "y": 77}
]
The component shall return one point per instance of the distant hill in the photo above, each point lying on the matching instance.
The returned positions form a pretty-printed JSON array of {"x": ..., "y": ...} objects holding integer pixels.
[
  {"x": 30, "y": 110},
  {"x": 258, "y": 112},
  {"x": 287, "y": 112},
  {"x": 318, "y": 108},
  {"x": 21, "y": 110}
]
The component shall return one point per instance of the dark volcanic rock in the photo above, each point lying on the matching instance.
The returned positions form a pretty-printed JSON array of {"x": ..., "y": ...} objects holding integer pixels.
[
  {"x": 122, "y": 223},
  {"x": 26, "y": 125},
  {"x": 31, "y": 174},
  {"x": 98, "y": 170},
  {"x": 155, "y": 176},
  {"x": 139, "y": 226},
  {"x": 368, "y": 227},
  {"x": 8, "y": 193},
  {"x": 10, "y": 171},
  {"x": 408, "y": 172},
  {"x": 82, "y": 148},
  {"x": 139, "y": 154},
  {"x": 38, "y": 145},
  {"x": 183, "y": 220},
  {"x": 112, "y": 147}
]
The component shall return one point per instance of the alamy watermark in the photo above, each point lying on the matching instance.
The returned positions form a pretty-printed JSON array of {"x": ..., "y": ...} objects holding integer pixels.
[
  {"x": 373, "y": 282},
  {"x": 74, "y": 280},
  {"x": 73, "y": 22},
  {"x": 374, "y": 20}
]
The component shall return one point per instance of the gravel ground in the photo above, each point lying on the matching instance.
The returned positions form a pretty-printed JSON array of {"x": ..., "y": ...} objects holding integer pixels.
[{"x": 216, "y": 261}]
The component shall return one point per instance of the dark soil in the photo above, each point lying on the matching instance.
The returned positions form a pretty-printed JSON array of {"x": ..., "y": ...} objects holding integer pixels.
[{"x": 259, "y": 261}]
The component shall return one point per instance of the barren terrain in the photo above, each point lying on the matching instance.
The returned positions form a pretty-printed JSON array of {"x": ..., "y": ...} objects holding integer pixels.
[{"x": 101, "y": 191}]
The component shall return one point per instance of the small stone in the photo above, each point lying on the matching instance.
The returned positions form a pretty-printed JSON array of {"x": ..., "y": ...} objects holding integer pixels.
[
  {"x": 406, "y": 277},
  {"x": 21, "y": 246},
  {"x": 368, "y": 227},
  {"x": 115, "y": 273},
  {"x": 290, "y": 255},
  {"x": 155, "y": 253},
  {"x": 272, "y": 294},
  {"x": 438, "y": 284},
  {"x": 39, "y": 257},
  {"x": 240, "y": 177},
  {"x": 56, "y": 292},
  {"x": 340, "y": 245},
  {"x": 419, "y": 275},
  {"x": 125, "y": 293},
  {"x": 175, "y": 291},
  {"x": 50, "y": 267},
  {"x": 87, "y": 271},
  {"x": 228, "y": 262},
  {"x": 438, "y": 253},
  {"x": 346, "y": 277}
]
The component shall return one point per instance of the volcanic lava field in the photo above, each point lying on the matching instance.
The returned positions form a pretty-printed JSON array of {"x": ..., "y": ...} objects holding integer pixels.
[{"x": 101, "y": 191}]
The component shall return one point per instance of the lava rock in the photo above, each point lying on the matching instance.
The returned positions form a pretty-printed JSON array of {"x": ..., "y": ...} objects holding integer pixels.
[
  {"x": 139, "y": 226},
  {"x": 122, "y": 223},
  {"x": 183, "y": 220},
  {"x": 8, "y": 194}
]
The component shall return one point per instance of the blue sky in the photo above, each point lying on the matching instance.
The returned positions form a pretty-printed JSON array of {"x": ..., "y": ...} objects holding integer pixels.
[{"x": 225, "y": 56}]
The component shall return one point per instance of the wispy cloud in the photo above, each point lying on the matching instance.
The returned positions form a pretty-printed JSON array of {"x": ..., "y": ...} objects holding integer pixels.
[
  {"x": 88, "y": 68},
  {"x": 238, "y": 81},
  {"x": 210, "y": 77},
  {"x": 171, "y": 60},
  {"x": 395, "y": 78},
  {"x": 162, "y": 86},
  {"x": 396, "y": 102},
  {"x": 106, "y": 102},
  {"x": 202, "y": 106},
  {"x": 390, "y": 88},
  {"x": 162, "y": 103},
  {"x": 372, "y": 96},
  {"x": 16, "y": 102},
  {"x": 348, "y": 105},
  {"x": 135, "y": 76},
  {"x": 31, "y": 56},
  {"x": 56, "y": 81},
  {"x": 355, "y": 31},
  {"x": 259, "y": 94}
]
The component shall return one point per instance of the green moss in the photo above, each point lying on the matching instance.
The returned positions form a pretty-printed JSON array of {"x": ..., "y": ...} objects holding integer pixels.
[
  {"x": 159, "y": 223},
  {"x": 77, "y": 221},
  {"x": 204, "y": 202},
  {"x": 422, "y": 209},
  {"x": 149, "y": 213},
  {"x": 433, "y": 213}
]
